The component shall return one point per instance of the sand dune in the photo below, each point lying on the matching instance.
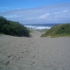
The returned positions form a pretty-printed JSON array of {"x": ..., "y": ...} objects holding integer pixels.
[{"x": 35, "y": 53}]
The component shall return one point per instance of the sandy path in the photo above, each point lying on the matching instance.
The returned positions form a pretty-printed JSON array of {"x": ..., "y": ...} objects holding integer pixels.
[{"x": 21, "y": 53}]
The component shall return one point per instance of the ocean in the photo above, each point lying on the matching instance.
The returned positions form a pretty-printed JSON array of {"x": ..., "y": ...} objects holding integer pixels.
[{"x": 39, "y": 26}]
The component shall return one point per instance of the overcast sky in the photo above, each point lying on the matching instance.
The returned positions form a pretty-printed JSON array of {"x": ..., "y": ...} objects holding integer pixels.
[{"x": 36, "y": 11}]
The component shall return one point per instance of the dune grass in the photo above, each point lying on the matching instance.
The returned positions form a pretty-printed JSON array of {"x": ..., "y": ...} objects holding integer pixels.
[
  {"x": 13, "y": 28},
  {"x": 58, "y": 30}
]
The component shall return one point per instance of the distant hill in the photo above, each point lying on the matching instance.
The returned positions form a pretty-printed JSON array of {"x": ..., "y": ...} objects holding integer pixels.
[
  {"x": 12, "y": 28},
  {"x": 58, "y": 30}
]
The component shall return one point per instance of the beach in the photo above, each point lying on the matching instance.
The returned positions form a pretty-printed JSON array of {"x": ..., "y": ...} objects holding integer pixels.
[{"x": 34, "y": 53}]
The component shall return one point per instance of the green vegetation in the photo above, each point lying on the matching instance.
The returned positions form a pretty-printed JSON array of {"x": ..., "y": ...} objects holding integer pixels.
[
  {"x": 43, "y": 30},
  {"x": 13, "y": 28},
  {"x": 58, "y": 30}
]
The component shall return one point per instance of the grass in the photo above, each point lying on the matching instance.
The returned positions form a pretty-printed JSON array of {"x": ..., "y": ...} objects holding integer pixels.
[
  {"x": 43, "y": 30},
  {"x": 13, "y": 28},
  {"x": 58, "y": 30}
]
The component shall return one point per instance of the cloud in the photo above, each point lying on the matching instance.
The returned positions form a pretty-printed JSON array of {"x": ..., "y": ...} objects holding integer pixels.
[
  {"x": 13, "y": 16},
  {"x": 28, "y": 18},
  {"x": 62, "y": 14},
  {"x": 65, "y": 11},
  {"x": 3, "y": 9},
  {"x": 46, "y": 14}
]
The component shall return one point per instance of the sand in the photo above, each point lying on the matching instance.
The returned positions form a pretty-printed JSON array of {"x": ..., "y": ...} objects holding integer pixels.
[{"x": 35, "y": 53}]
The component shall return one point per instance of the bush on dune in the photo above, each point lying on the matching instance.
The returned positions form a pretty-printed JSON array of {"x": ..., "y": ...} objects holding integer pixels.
[
  {"x": 13, "y": 28},
  {"x": 58, "y": 30}
]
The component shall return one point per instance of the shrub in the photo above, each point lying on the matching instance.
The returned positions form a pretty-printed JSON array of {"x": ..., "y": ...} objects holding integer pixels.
[
  {"x": 59, "y": 30},
  {"x": 13, "y": 28}
]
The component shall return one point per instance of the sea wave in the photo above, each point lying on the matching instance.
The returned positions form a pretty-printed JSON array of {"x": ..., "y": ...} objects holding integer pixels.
[{"x": 38, "y": 27}]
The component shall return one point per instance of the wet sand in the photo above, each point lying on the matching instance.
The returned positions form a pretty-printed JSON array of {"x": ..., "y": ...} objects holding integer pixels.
[{"x": 35, "y": 53}]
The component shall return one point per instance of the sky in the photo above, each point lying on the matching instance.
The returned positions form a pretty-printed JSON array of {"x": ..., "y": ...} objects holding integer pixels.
[{"x": 36, "y": 11}]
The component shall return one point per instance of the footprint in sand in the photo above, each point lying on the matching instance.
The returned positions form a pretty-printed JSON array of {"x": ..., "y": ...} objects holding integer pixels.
[
  {"x": 22, "y": 52},
  {"x": 34, "y": 56},
  {"x": 33, "y": 63},
  {"x": 9, "y": 56},
  {"x": 7, "y": 63}
]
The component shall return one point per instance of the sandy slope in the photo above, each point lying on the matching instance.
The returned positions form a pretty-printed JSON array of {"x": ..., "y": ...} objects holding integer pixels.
[{"x": 35, "y": 53}]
